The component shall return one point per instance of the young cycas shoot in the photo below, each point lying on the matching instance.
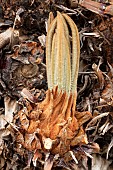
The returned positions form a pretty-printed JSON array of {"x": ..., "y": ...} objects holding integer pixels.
[{"x": 54, "y": 125}]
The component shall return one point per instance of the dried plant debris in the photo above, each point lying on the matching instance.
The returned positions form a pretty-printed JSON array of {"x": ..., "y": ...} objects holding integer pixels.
[
  {"x": 5, "y": 37},
  {"x": 62, "y": 127},
  {"x": 24, "y": 67},
  {"x": 51, "y": 129}
]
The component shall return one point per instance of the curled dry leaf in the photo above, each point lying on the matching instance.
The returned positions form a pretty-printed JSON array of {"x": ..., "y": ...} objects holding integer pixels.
[
  {"x": 107, "y": 92},
  {"x": 109, "y": 148},
  {"x": 99, "y": 74},
  {"x": 26, "y": 94},
  {"x": 99, "y": 163},
  {"x": 10, "y": 108},
  {"x": 3, "y": 133},
  {"x": 10, "y": 36},
  {"x": 5, "y": 37},
  {"x": 29, "y": 70}
]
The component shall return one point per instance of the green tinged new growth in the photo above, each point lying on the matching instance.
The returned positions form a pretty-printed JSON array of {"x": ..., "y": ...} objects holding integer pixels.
[{"x": 62, "y": 55}]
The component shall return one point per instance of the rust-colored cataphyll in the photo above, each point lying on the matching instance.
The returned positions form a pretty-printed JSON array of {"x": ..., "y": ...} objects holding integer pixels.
[{"x": 53, "y": 125}]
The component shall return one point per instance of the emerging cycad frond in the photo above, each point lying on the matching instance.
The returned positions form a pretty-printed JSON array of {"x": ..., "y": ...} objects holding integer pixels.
[
  {"x": 62, "y": 59},
  {"x": 53, "y": 125}
]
